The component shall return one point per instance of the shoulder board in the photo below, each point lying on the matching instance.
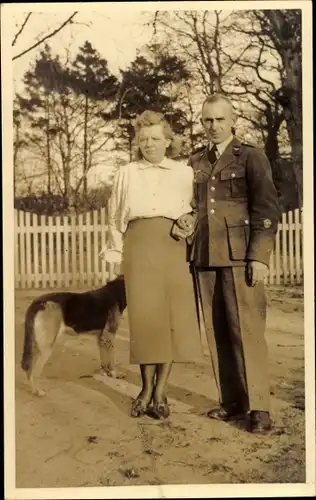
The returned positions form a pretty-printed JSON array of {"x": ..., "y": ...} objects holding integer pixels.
[{"x": 249, "y": 144}]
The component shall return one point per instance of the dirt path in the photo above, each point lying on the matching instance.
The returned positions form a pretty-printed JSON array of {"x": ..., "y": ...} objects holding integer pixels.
[{"x": 81, "y": 434}]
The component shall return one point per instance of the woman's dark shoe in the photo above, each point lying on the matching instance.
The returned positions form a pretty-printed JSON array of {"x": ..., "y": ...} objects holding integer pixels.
[
  {"x": 139, "y": 408},
  {"x": 160, "y": 410}
]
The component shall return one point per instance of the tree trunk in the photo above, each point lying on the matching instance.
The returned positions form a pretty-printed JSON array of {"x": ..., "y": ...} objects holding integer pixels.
[
  {"x": 292, "y": 105},
  {"x": 49, "y": 186},
  {"x": 16, "y": 145},
  {"x": 287, "y": 39},
  {"x": 293, "y": 117}
]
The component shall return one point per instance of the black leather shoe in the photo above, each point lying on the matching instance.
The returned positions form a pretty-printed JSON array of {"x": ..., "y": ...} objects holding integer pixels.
[
  {"x": 160, "y": 410},
  {"x": 225, "y": 413},
  {"x": 260, "y": 422}
]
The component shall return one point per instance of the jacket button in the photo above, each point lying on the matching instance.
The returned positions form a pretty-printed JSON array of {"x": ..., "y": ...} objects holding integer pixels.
[
  {"x": 233, "y": 175},
  {"x": 212, "y": 200},
  {"x": 213, "y": 178},
  {"x": 246, "y": 221},
  {"x": 212, "y": 211},
  {"x": 212, "y": 188}
]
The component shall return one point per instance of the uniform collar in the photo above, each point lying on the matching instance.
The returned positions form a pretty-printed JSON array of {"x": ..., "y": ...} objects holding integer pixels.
[
  {"x": 223, "y": 145},
  {"x": 165, "y": 163},
  {"x": 232, "y": 150}
]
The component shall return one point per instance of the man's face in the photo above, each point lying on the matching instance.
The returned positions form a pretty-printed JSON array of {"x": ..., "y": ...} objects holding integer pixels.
[
  {"x": 217, "y": 120},
  {"x": 153, "y": 143}
]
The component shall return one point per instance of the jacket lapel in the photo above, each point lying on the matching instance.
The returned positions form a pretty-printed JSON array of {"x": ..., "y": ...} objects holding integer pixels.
[
  {"x": 226, "y": 158},
  {"x": 204, "y": 164}
]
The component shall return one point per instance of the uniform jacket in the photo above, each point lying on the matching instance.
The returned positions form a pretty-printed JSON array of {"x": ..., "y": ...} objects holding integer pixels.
[{"x": 235, "y": 206}]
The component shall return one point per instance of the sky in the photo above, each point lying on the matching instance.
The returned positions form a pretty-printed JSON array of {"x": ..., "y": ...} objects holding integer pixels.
[
  {"x": 116, "y": 34},
  {"x": 116, "y": 31}
]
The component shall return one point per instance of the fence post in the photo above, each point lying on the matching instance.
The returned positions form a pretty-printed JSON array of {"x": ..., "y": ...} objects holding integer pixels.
[
  {"x": 66, "y": 249},
  {"x": 35, "y": 250},
  {"x": 73, "y": 250},
  {"x": 28, "y": 253},
  {"x": 17, "y": 269},
  {"x": 291, "y": 244},
  {"x": 43, "y": 251},
  {"x": 81, "y": 261},
  {"x": 96, "y": 249},
  {"x": 284, "y": 249},
  {"x": 51, "y": 252},
  {"x": 103, "y": 231},
  {"x": 58, "y": 251},
  {"x": 88, "y": 247},
  {"x": 22, "y": 248},
  {"x": 297, "y": 245},
  {"x": 271, "y": 268}
]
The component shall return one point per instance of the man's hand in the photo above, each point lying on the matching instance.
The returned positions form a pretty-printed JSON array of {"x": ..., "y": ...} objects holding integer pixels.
[
  {"x": 186, "y": 222},
  {"x": 178, "y": 233},
  {"x": 256, "y": 271}
]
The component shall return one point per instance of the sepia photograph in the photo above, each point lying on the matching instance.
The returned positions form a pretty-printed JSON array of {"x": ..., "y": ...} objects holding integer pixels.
[{"x": 158, "y": 249}]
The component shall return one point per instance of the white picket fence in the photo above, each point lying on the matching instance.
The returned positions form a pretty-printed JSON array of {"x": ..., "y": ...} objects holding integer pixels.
[{"x": 63, "y": 251}]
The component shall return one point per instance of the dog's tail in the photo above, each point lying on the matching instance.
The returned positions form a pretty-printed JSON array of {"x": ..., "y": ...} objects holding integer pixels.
[{"x": 29, "y": 339}]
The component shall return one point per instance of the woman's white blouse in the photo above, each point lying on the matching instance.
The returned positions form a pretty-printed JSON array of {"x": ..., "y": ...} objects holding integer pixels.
[{"x": 143, "y": 190}]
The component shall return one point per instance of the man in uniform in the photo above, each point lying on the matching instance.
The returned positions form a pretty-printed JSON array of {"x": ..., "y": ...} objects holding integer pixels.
[{"x": 235, "y": 220}]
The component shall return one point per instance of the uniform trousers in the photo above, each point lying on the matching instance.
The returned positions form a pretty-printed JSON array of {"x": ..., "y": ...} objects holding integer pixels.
[{"x": 235, "y": 318}]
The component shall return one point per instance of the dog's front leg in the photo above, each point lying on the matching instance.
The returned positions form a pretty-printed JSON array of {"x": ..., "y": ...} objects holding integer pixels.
[{"x": 107, "y": 353}]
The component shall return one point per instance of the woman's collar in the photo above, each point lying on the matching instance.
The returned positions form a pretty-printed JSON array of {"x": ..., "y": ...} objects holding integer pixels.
[{"x": 165, "y": 163}]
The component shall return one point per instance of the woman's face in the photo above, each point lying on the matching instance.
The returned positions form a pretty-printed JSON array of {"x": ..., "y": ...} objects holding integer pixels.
[{"x": 153, "y": 143}]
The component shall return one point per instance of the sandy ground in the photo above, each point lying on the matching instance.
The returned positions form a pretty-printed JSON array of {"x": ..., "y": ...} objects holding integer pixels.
[{"x": 81, "y": 434}]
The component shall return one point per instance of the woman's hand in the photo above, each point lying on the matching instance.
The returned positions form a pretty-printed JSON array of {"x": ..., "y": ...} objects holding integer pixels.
[
  {"x": 102, "y": 253},
  {"x": 181, "y": 233},
  {"x": 186, "y": 223}
]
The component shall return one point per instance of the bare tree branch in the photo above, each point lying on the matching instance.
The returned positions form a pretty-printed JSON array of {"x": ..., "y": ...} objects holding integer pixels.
[
  {"x": 22, "y": 28},
  {"x": 50, "y": 35}
]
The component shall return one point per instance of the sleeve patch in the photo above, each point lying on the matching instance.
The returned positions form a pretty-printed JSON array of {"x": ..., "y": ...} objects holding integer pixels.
[{"x": 267, "y": 223}]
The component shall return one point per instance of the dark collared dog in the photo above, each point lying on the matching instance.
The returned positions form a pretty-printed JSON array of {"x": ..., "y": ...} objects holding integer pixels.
[{"x": 54, "y": 314}]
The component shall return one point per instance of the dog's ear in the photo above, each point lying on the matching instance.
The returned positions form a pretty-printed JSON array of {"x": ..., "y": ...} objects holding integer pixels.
[{"x": 113, "y": 319}]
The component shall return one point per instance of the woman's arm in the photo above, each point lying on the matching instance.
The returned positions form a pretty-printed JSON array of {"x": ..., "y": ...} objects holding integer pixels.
[
  {"x": 185, "y": 224},
  {"x": 117, "y": 217}
]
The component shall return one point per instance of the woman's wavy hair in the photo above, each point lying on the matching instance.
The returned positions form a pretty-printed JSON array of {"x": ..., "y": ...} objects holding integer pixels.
[{"x": 149, "y": 118}]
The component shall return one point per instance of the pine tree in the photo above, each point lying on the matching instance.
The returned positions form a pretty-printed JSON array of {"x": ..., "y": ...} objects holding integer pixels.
[
  {"x": 151, "y": 82},
  {"x": 90, "y": 78},
  {"x": 63, "y": 104}
]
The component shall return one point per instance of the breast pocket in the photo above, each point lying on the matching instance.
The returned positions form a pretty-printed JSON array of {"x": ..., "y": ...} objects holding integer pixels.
[
  {"x": 238, "y": 236},
  {"x": 235, "y": 178}
]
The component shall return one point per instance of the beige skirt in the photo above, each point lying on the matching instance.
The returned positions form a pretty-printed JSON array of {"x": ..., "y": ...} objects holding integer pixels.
[{"x": 161, "y": 304}]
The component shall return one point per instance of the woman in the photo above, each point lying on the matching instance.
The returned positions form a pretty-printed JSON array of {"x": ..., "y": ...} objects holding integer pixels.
[{"x": 148, "y": 196}]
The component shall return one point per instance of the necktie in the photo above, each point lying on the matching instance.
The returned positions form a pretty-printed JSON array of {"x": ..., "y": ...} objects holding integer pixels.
[{"x": 212, "y": 157}]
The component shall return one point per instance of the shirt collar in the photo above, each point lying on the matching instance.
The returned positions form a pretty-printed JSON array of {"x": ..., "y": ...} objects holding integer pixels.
[
  {"x": 223, "y": 145},
  {"x": 165, "y": 163}
]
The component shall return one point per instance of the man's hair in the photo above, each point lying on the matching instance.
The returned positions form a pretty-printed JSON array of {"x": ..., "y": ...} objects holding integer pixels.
[
  {"x": 149, "y": 118},
  {"x": 211, "y": 99}
]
